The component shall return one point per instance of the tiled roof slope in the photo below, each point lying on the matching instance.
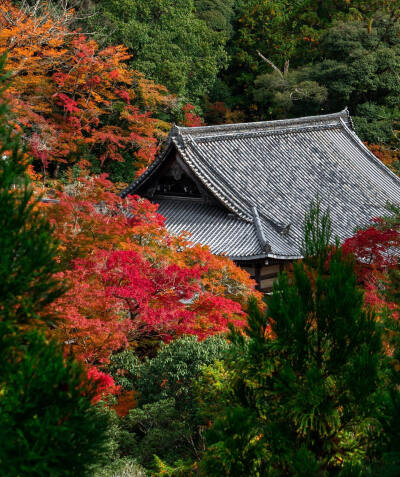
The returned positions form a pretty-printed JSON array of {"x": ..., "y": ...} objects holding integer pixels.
[
  {"x": 267, "y": 173},
  {"x": 224, "y": 233}
]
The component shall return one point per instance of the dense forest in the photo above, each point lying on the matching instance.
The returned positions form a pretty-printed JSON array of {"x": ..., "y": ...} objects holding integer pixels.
[{"x": 129, "y": 351}]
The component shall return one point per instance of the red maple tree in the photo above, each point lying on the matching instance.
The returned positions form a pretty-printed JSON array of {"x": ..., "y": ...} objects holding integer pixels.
[
  {"x": 376, "y": 249},
  {"x": 76, "y": 101},
  {"x": 130, "y": 279}
]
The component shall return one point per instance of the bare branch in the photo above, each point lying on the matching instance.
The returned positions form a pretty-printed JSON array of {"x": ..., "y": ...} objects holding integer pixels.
[
  {"x": 270, "y": 63},
  {"x": 286, "y": 68}
]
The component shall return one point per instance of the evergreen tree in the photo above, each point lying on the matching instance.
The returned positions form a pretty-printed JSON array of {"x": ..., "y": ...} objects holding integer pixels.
[
  {"x": 217, "y": 14},
  {"x": 169, "y": 43},
  {"x": 307, "y": 379},
  {"x": 292, "y": 93},
  {"x": 359, "y": 63},
  {"x": 354, "y": 64},
  {"x": 48, "y": 425}
]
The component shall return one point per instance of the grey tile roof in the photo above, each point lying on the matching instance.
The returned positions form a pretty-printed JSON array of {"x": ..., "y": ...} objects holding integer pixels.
[
  {"x": 266, "y": 175},
  {"x": 222, "y": 232}
]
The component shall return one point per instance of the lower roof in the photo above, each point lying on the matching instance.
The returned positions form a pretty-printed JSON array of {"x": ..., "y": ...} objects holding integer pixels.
[{"x": 223, "y": 232}]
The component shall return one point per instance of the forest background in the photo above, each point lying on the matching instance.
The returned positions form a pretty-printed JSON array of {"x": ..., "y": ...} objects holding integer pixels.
[
  {"x": 92, "y": 89},
  {"x": 193, "y": 61}
]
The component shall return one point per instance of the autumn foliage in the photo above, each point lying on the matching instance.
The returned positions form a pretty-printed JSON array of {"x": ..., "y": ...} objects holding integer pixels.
[
  {"x": 376, "y": 249},
  {"x": 103, "y": 384},
  {"x": 191, "y": 119},
  {"x": 73, "y": 99},
  {"x": 390, "y": 157},
  {"x": 130, "y": 281}
]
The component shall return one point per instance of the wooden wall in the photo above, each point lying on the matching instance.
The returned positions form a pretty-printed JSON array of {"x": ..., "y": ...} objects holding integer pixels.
[
  {"x": 268, "y": 274},
  {"x": 264, "y": 272}
]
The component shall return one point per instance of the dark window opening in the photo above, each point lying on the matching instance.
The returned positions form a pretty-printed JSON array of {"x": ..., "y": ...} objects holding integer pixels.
[
  {"x": 173, "y": 181},
  {"x": 183, "y": 187}
]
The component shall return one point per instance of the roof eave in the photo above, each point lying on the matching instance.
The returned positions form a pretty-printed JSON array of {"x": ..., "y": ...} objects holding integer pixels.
[
  {"x": 132, "y": 188},
  {"x": 244, "y": 258}
]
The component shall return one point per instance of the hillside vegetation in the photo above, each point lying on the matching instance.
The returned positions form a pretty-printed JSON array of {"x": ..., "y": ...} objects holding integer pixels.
[{"x": 129, "y": 351}]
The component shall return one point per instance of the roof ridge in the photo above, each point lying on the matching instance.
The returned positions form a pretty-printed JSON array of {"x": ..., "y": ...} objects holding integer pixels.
[
  {"x": 176, "y": 135},
  {"x": 357, "y": 141},
  {"x": 265, "y": 246},
  {"x": 344, "y": 114},
  {"x": 266, "y": 132}
]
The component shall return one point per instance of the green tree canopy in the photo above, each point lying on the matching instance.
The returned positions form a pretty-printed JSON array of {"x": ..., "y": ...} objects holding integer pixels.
[
  {"x": 292, "y": 93},
  {"x": 282, "y": 30},
  {"x": 169, "y": 43},
  {"x": 166, "y": 421},
  {"x": 217, "y": 14},
  {"x": 356, "y": 64},
  {"x": 360, "y": 67}
]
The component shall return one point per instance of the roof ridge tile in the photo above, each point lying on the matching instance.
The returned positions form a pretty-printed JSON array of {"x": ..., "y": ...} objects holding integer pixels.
[
  {"x": 264, "y": 132},
  {"x": 320, "y": 119}
]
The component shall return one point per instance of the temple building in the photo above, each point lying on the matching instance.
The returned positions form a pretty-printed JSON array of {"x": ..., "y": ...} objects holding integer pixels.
[{"x": 243, "y": 189}]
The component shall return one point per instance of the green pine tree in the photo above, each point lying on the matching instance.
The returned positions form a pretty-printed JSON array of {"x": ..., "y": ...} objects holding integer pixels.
[
  {"x": 307, "y": 383},
  {"x": 48, "y": 426}
]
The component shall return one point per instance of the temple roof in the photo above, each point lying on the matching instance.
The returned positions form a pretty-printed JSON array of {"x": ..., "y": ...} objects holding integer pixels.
[{"x": 264, "y": 176}]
